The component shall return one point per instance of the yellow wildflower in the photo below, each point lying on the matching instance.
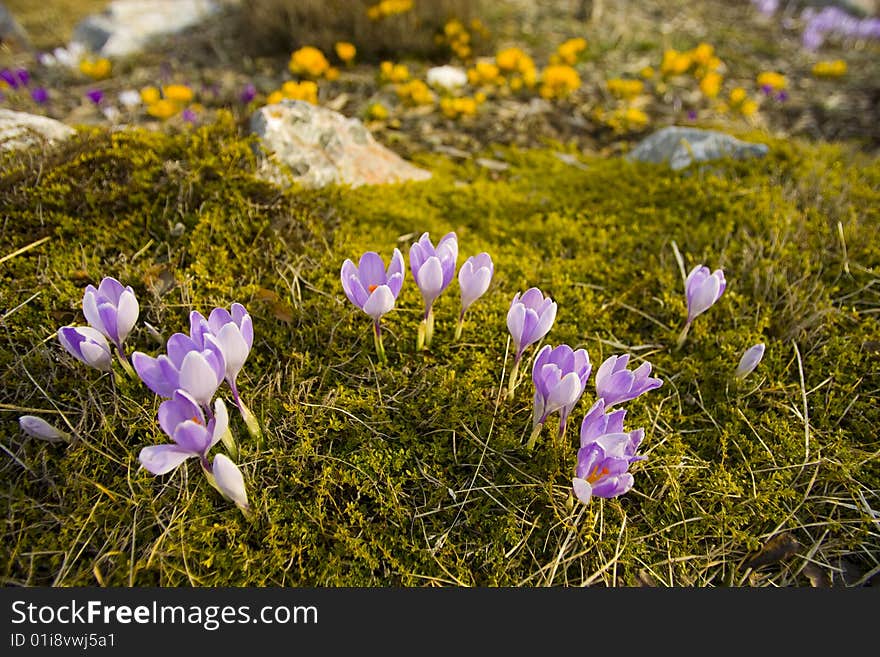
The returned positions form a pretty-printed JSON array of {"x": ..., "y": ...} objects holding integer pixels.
[
  {"x": 163, "y": 108},
  {"x": 484, "y": 72},
  {"x": 415, "y": 92},
  {"x": 569, "y": 51},
  {"x": 737, "y": 95},
  {"x": 830, "y": 69},
  {"x": 454, "y": 108},
  {"x": 647, "y": 72},
  {"x": 388, "y": 8},
  {"x": 625, "y": 89},
  {"x": 377, "y": 111},
  {"x": 775, "y": 81},
  {"x": 306, "y": 90},
  {"x": 150, "y": 95},
  {"x": 331, "y": 73},
  {"x": 97, "y": 69},
  {"x": 179, "y": 93},
  {"x": 275, "y": 97},
  {"x": 308, "y": 61},
  {"x": 675, "y": 62},
  {"x": 390, "y": 72},
  {"x": 345, "y": 51},
  {"x": 710, "y": 85},
  {"x": 703, "y": 54},
  {"x": 558, "y": 81}
]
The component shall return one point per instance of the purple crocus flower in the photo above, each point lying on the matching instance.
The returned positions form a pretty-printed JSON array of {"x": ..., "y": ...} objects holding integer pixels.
[
  {"x": 39, "y": 95},
  {"x": 560, "y": 375},
  {"x": 433, "y": 270},
  {"x": 474, "y": 277},
  {"x": 37, "y": 427},
  {"x": 95, "y": 95},
  {"x": 374, "y": 289},
  {"x": 529, "y": 319},
  {"x": 189, "y": 115},
  {"x": 597, "y": 422},
  {"x": 749, "y": 360},
  {"x": 23, "y": 77},
  {"x": 248, "y": 93},
  {"x": 616, "y": 384},
  {"x": 199, "y": 372},
  {"x": 111, "y": 309},
  {"x": 702, "y": 289},
  {"x": 602, "y": 464},
  {"x": 86, "y": 345},
  {"x": 182, "y": 418},
  {"x": 9, "y": 78},
  {"x": 230, "y": 482},
  {"x": 692, "y": 115},
  {"x": 782, "y": 96}
]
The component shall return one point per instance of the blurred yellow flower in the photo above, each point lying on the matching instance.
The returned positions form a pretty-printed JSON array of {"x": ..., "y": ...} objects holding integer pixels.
[
  {"x": 830, "y": 69},
  {"x": 331, "y": 73},
  {"x": 740, "y": 102},
  {"x": 345, "y": 51},
  {"x": 703, "y": 53},
  {"x": 388, "y": 8},
  {"x": 484, "y": 72},
  {"x": 647, "y": 72},
  {"x": 150, "y": 95},
  {"x": 97, "y": 69},
  {"x": 275, "y": 97},
  {"x": 737, "y": 95},
  {"x": 377, "y": 111},
  {"x": 308, "y": 61},
  {"x": 306, "y": 90},
  {"x": 179, "y": 93},
  {"x": 772, "y": 80},
  {"x": 454, "y": 108},
  {"x": 622, "y": 119},
  {"x": 710, "y": 85},
  {"x": 415, "y": 92},
  {"x": 390, "y": 72},
  {"x": 625, "y": 89},
  {"x": 569, "y": 51},
  {"x": 163, "y": 108},
  {"x": 675, "y": 62},
  {"x": 558, "y": 81}
]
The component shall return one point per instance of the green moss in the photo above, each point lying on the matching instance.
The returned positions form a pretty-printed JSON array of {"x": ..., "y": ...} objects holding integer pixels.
[{"x": 414, "y": 473}]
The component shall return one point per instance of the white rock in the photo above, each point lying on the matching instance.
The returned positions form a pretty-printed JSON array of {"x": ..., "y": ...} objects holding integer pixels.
[
  {"x": 21, "y": 130},
  {"x": 126, "y": 26},
  {"x": 446, "y": 77},
  {"x": 322, "y": 147}
]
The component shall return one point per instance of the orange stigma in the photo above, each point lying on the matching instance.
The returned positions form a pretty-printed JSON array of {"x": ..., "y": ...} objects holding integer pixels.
[
  {"x": 596, "y": 475},
  {"x": 371, "y": 288},
  {"x": 195, "y": 419}
]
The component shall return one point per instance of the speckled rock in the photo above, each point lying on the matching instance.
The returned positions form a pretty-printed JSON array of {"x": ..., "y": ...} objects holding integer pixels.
[
  {"x": 680, "y": 147},
  {"x": 22, "y": 130},
  {"x": 322, "y": 147}
]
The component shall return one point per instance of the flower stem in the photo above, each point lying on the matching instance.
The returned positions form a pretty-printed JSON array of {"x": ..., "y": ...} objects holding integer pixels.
[
  {"x": 129, "y": 370},
  {"x": 511, "y": 381},
  {"x": 530, "y": 445},
  {"x": 420, "y": 336},
  {"x": 380, "y": 348},
  {"x": 683, "y": 336},
  {"x": 458, "y": 327},
  {"x": 251, "y": 422},
  {"x": 429, "y": 326}
]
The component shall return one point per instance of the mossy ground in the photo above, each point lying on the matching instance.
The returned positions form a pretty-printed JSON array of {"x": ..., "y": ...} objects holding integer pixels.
[{"x": 414, "y": 473}]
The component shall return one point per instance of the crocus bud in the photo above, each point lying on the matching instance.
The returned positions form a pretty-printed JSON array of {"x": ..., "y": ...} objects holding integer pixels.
[
  {"x": 37, "y": 427},
  {"x": 86, "y": 345},
  {"x": 433, "y": 269},
  {"x": 702, "y": 290},
  {"x": 230, "y": 481},
  {"x": 749, "y": 360},
  {"x": 529, "y": 319},
  {"x": 111, "y": 309},
  {"x": 615, "y": 384},
  {"x": 474, "y": 277}
]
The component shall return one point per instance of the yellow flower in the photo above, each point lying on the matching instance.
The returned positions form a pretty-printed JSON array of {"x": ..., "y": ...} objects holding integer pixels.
[
  {"x": 345, "y": 51},
  {"x": 647, "y": 72},
  {"x": 388, "y": 8},
  {"x": 483, "y": 73},
  {"x": 830, "y": 69},
  {"x": 308, "y": 61},
  {"x": 177, "y": 92},
  {"x": 377, "y": 111},
  {"x": 740, "y": 102},
  {"x": 514, "y": 60},
  {"x": 97, "y": 69},
  {"x": 163, "y": 108},
  {"x": 457, "y": 107},
  {"x": 568, "y": 52},
  {"x": 415, "y": 92},
  {"x": 331, "y": 73},
  {"x": 623, "y": 119},
  {"x": 710, "y": 85},
  {"x": 702, "y": 54},
  {"x": 748, "y": 108},
  {"x": 675, "y": 62},
  {"x": 625, "y": 89},
  {"x": 390, "y": 72},
  {"x": 306, "y": 90},
  {"x": 558, "y": 81},
  {"x": 775, "y": 81},
  {"x": 737, "y": 95},
  {"x": 275, "y": 97},
  {"x": 150, "y": 95}
]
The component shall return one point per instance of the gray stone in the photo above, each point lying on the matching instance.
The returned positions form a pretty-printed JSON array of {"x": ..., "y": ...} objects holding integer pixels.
[
  {"x": 679, "y": 147},
  {"x": 322, "y": 147},
  {"x": 127, "y": 26},
  {"x": 22, "y": 130},
  {"x": 11, "y": 32}
]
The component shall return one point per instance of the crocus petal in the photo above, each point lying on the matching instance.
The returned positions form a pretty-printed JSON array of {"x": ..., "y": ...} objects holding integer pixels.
[
  {"x": 127, "y": 312},
  {"x": 235, "y": 349},
  {"x": 219, "y": 318},
  {"x": 221, "y": 421},
  {"x": 198, "y": 378},
  {"x": 111, "y": 289},
  {"x": 241, "y": 317},
  {"x": 161, "y": 459},
  {"x": 90, "y": 309},
  {"x": 704, "y": 296},
  {"x": 371, "y": 269},
  {"x": 192, "y": 437},
  {"x": 430, "y": 279},
  {"x": 613, "y": 485},
  {"x": 150, "y": 371},
  {"x": 180, "y": 408},
  {"x": 582, "y": 489},
  {"x": 229, "y": 480},
  {"x": 95, "y": 355},
  {"x": 178, "y": 346},
  {"x": 516, "y": 317},
  {"x": 545, "y": 323},
  {"x": 108, "y": 314},
  {"x": 349, "y": 275},
  {"x": 37, "y": 427},
  {"x": 473, "y": 282},
  {"x": 395, "y": 282},
  {"x": 532, "y": 298},
  {"x": 566, "y": 392},
  {"x": 380, "y": 302},
  {"x": 749, "y": 360},
  {"x": 198, "y": 327}
]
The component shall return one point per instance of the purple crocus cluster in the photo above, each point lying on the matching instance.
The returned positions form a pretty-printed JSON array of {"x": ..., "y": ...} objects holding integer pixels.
[
  {"x": 188, "y": 376},
  {"x": 834, "y": 21},
  {"x": 19, "y": 80},
  {"x": 373, "y": 288}
]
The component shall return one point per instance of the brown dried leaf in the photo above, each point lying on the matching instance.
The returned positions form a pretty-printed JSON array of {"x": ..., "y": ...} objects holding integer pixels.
[
  {"x": 279, "y": 308},
  {"x": 160, "y": 279},
  {"x": 818, "y": 577},
  {"x": 775, "y": 550}
]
